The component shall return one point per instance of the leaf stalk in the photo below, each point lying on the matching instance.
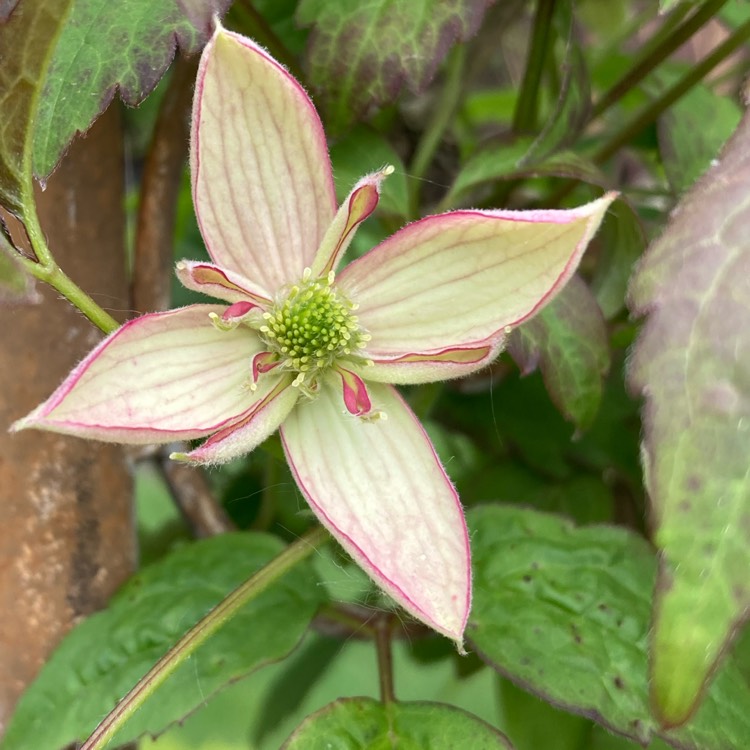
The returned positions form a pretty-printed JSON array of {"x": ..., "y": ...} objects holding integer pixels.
[{"x": 201, "y": 632}]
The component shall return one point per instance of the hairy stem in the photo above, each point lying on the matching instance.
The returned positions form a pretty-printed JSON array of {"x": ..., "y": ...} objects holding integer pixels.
[
  {"x": 37, "y": 260},
  {"x": 201, "y": 632},
  {"x": 524, "y": 117},
  {"x": 53, "y": 275}
]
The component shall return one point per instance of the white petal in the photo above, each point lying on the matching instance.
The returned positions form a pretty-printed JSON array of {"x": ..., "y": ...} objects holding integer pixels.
[
  {"x": 161, "y": 377},
  {"x": 460, "y": 278},
  {"x": 428, "y": 367},
  {"x": 380, "y": 490},
  {"x": 259, "y": 422},
  {"x": 262, "y": 182}
]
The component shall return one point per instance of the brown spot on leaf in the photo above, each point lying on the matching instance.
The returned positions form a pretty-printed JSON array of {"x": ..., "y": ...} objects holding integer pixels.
[{"x": 694, "y": 483}]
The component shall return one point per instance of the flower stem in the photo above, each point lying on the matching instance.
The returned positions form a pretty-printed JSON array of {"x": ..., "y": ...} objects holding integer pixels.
[
  {"x": 43, "y": 267},
  {"x": 656, "y": 53},
  {"x": 385, "y": 658},
  {"x": 524, "y": 117},
  {"x": 441, "y": 118},
  {"x": 200, "y": 633},
  {"x": 60, "y": 281}
]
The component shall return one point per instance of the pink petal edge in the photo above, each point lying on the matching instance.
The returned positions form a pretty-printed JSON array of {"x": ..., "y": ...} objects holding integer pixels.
[
  {"x": 429, "y": 367},
  {"x": 359, "y": 204},
  {"x": 220, "y": 283},
  {"x": 435, "y": 283},
  {"x": 123, "y": 433},
  {"x": 230, "y": 254},
  {"x": 396, "y": 591},
  {"x": 247, "y": 432}
]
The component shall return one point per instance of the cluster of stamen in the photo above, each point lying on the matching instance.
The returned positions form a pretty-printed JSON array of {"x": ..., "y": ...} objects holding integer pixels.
[{"x": 313, "y": 327}]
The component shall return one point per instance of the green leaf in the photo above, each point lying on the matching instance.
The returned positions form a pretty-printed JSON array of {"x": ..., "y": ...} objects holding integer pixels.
[
  {"x": 692, "y": 363},
  {"x": 493, "y": 161},
  {"x": 564, "y": 613},
  {"x": 511, "y": 161},
  {"x": 262, "y": 712},
  {"x": 520, "y": 413},
  {"x": 362, "y": 151},
  {"x": 108, "y": 653},
  {"x": 362, "y": 54},
  {"x": 534, "y": 724},
  {"x": 568, "y": 342},
  {"x": 692, "y": 132},
  {"x": 622, "y": 241},
  {"x": 108, "y": 46},
  {"x": 26, "y": 41},
  {"x": 363, "y": 723}
]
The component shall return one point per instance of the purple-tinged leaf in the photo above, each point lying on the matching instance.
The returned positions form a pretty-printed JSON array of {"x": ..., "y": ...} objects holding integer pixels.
[
  {"x": 6, "y": 8},
  {"x": 26, "y": 41},
  {"x": 104, "y": 47},
  {"x": 388, "y": 45},
  {"x": 564, "y": 613},
  {"x": 568, "y": 342},
  {"x": 354, "y": 723},
  {"x": 692, "y": 364}
]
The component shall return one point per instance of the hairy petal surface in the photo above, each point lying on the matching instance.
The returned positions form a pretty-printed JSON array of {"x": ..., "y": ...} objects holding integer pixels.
[
  {"x": 262, "y": 181},
  {"x": 260, "y": 421},
  {"x": 221, "y": 283},
  {"x": 427, "y": 367},
  {"x": 459, "y": 278},
  {"x": 359, "y": 204},
  {"x": 380, "y": 490},
  {"x": 161, "y": 377}
]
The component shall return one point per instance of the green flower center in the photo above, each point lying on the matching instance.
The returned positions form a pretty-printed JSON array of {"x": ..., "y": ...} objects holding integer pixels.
[{"x": 312, "y": 328}]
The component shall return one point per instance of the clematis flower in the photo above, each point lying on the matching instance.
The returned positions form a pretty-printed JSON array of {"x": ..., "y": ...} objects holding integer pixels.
[{"x": 298, "y": 346}]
